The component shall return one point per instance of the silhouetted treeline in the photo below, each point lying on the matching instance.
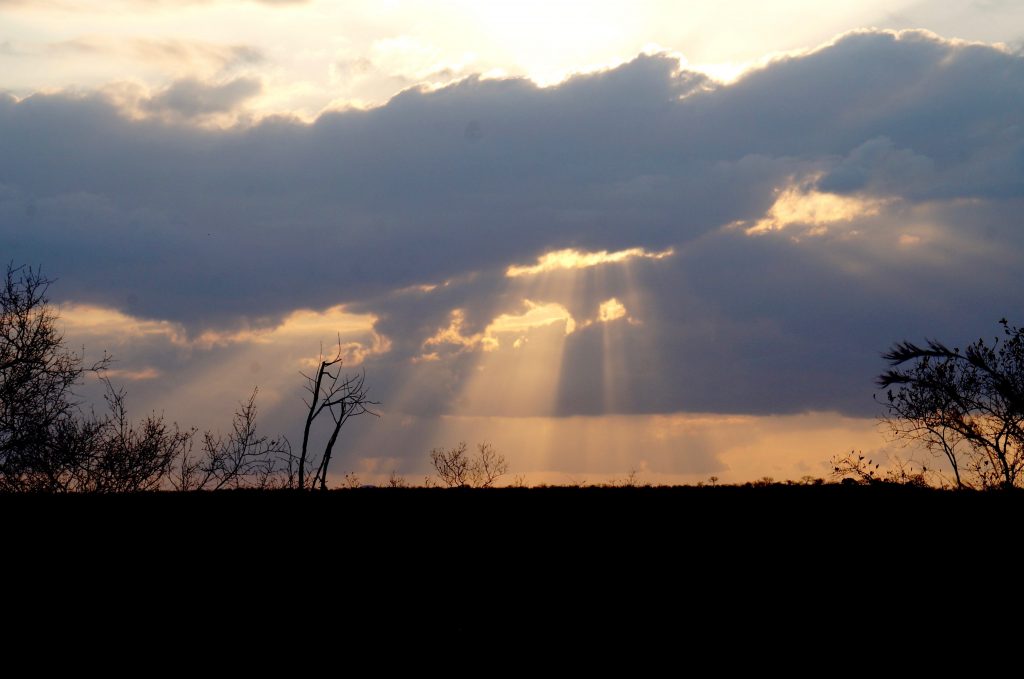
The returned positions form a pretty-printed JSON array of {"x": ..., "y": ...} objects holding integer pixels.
[{"x": 50, "y": 443}]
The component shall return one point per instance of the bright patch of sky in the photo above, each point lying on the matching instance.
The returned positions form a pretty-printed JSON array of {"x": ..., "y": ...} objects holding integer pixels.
[{"x": 311, "y": 56}]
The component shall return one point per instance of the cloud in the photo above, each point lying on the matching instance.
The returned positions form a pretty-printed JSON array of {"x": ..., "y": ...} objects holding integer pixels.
[
  {"x": 516, "y": 325},
  {"x": 191, "y": 54},
  {"x": 94, "y": 322},
  {"x": 814, "y": 210},
  {"x": 132, "y": 375},
  {"x": 611, "y": 310},
  {"x": 191, "y": 99},
  {"x": 878, "y": 166},
  {"x": 903, "y": 153},
  {"x": 574, "y": 259}
]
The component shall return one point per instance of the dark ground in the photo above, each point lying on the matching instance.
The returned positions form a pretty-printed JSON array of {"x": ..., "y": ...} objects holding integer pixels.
[{"x": 534, "y": 565}]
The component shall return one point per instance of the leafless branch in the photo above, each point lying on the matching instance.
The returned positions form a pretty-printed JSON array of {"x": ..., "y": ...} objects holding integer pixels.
[
  {"x": 456, "y": 468},
  {"x": 344, "y": 397}
]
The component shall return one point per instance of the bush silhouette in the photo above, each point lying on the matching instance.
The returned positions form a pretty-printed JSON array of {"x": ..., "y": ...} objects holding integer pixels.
[{"x": 456, "y": 468}]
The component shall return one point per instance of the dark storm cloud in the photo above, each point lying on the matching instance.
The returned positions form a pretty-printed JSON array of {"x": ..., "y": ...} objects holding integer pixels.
[{"x": 208, "y": 228}]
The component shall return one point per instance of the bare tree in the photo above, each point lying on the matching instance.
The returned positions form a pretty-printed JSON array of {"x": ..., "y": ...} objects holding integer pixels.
[
  {"x": 106, "y": 453},
  {"x": 126, "y": 457},
  {"x": 488, "y": 467},
  {"x": 452, "y": 465},
  {"x": 342, "y": 396},
  {"x": 456, "y": 468},
  {"x": 37, "y": 379},
  {"x": 241, "y": 459},
  {"x": 48, "y": 443}
]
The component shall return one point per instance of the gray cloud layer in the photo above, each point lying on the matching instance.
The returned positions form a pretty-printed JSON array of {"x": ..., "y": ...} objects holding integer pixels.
[
  {"x": 211, "y": 228},
  {"x": 189, "y": 98}
]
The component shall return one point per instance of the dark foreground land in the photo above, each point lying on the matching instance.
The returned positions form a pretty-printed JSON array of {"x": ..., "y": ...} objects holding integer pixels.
[
  {"x": 484, "y": 518},
  {"x": 370, "y": 524},
  {"x": 432, "y": 562}
]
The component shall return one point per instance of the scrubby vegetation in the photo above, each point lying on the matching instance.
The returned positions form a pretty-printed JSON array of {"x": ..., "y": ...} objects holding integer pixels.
[{"x": 965, "y": 407}]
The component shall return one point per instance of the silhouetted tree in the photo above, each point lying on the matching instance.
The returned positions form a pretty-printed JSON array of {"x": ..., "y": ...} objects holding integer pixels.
[
  {"x": 452, "y": 465},
  {"x": 47, "y": 443},
  {"x": 456, "y": 468},
  {"x": 40, "y": 439},
  {"x": 343, "y": 397},
  {"x": 488, "y": 466},
  {"x": 241, "y": 459},
  {"x": 119, "y": 456},
  {"x": 967, "y": 406}
]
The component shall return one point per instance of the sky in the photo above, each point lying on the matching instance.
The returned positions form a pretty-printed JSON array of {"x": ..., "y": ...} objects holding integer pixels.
[{"x": 669, "y": 237}]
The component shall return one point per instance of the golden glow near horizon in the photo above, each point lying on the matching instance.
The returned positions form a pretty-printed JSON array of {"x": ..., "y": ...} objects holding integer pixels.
[
  {"x": 571, "y": 258},
  {"x": 591, "y": 450}
]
